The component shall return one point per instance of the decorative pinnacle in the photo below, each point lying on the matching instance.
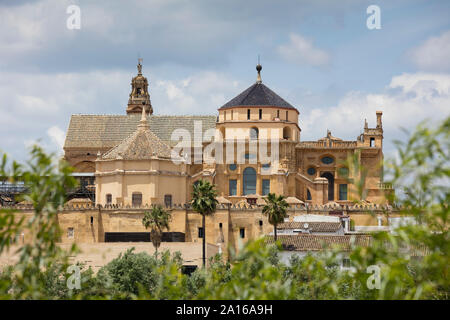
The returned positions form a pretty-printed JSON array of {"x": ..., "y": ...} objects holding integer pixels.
[
  {"x": 139, "y": 66},
  {"x": 258, "y": 78},
  {"x": 143, "y": 123}
]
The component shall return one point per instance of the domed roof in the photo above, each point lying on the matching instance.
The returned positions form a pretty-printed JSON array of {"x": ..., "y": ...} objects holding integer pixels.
[{"x": 258, "y": 95}]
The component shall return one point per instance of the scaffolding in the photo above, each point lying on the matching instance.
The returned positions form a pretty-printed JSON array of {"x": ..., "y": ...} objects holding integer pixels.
[
  {"x": 86, "y": 187},
  {"x": 12, "y": 193}
]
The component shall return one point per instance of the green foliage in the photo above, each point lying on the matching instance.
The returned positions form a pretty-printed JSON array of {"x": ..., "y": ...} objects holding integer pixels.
[
  {"x": 251, "y": 276},
  {"x": 422, "y": 172},
  {"x": 46, "y": 183},
  {"x": 204, "y": 202},
  {"x": 352, "y": 225},
  {"x": 204, "y": 198},
  {"x": 275, "y": 210},
  {"x": 132, "y": 273},
  {"x": 157, "y": 220}
]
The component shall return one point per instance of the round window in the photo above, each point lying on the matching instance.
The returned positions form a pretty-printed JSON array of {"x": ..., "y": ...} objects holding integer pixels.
[
  {"x": 327, "y": 160},
  {"x": 232, "y": 167},
  {"x": 311, "y": 171}
]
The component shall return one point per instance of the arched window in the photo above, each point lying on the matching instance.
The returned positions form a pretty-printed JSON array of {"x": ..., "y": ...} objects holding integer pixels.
[
  {"x": 136, "y": 199},
  {"x": 254, "y": 133},
  {"x": 308, "y": 195},
  {"x": 249, "y": 182},
  {"x": 286, "y": 133},
  {"x": 329, "y": 176}
]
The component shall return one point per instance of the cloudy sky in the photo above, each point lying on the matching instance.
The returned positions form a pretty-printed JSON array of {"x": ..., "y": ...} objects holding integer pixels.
[{"x": 318, "y": 55}]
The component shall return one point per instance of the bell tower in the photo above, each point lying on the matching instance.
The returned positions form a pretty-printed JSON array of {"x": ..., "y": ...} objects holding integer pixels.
[{"x": 139, "y": 96}]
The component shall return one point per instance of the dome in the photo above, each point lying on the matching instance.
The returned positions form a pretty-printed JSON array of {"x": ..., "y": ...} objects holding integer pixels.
[{"x": 258, "y": 95}]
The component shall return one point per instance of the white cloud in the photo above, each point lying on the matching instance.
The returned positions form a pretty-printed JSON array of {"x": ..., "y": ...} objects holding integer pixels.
[
  {"x": 433, "y": 54},
  {"x": 34, "y": 105},
  {"x": 38, "y": 106},
  {"x": 302, "y": 51},
  {"x": 407, "y": 100},
  {"x": 57, "y": 136},
  {"x": 20, "y": 31},
  {"x": 200, "y": 93}
]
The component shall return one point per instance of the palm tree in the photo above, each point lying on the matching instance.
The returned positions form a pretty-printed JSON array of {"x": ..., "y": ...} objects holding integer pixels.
[
  {"x": 204, "y": 202},
  {"x": 275, "y": 210},
  {"x": 157, "y": 220}
]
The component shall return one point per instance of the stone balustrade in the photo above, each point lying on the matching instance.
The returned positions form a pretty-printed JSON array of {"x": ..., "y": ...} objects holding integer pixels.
[
  {"x": 327, "y": 144},
  {"x": 327, "y": 208}
]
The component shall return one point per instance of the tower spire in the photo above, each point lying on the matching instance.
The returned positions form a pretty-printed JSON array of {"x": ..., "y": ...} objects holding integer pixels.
[{"x": 139, "y": 96}]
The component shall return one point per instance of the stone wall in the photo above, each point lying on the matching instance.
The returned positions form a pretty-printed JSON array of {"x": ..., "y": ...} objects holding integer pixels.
[{"x": 229, "y": 225}]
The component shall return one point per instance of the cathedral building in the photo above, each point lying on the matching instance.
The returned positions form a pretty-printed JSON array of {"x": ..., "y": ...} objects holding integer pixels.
[{"x": 255, "y": 148}]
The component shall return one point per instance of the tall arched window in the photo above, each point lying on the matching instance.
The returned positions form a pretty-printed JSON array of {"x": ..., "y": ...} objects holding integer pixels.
[
  {"x": 329, "y": 176},
  {"x": 254, "y": 133},
  {"x": 249, "y": 182}
]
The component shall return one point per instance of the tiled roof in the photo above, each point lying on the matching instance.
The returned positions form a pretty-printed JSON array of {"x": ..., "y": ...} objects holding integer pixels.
[
  {"x": 313, "y": 226},
  {"x": 142, "y": 144},
  {"x": 107, "y": 131},
  {"x": 308, "y": 242},
  {"x": 258, "y": 95}
]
